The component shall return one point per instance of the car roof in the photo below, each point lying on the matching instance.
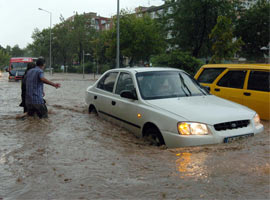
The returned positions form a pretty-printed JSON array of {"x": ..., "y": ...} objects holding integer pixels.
[
  {"x": 238, "y": 66},
  {"x": 145, "y": 69}
]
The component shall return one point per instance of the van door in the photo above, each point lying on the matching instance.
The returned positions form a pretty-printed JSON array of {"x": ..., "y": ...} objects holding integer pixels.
[
  {"x": 230, "y": 86},
  {"x": 207, "y": 76},
  {"x": 257, "y": 94}
]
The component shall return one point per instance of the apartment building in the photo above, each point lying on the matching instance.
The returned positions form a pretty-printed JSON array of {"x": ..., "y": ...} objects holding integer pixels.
[{"x": 97, "y": 22}]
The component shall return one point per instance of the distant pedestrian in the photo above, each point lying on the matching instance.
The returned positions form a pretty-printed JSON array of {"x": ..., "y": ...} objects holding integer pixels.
[
  {"x": 34, "y": 90},
  {"x": 23, "y": 87}
]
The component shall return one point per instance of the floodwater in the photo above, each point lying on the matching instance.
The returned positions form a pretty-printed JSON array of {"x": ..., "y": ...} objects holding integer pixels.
[{"x": 74, "y": 155}]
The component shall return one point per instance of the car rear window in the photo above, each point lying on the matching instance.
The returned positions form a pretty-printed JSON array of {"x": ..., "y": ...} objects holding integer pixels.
[
  {"x": 233, "y": 79},
  {"x": 107, "y": 82},
  {"x": 210, "y": 74},
  {"x": 259, "y": 80}
]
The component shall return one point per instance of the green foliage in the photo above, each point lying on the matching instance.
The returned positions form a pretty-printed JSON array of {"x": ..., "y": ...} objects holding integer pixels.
[
  {"x": 189, "y": 22},
  {"x": 253, "y": 27},
  {"x": 100, "y": 44},
  {"x": 4, "y": 58},
  {"x": 41, "y": 43},
  {"x": 140, "y": 38},
  {"x": 224, "y": 48},
  {"x": 104, "y": 68},
  {"x": 81, "y": 33},
  {"x": 193, "y": 21},
  {"x": 177, "y": 59},
  {"x": 17, "y": 52},
  {"x": 69, "y": 39}
]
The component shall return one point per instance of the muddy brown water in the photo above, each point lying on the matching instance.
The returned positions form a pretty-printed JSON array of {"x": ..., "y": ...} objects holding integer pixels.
[{"x": 74, "y": 155}]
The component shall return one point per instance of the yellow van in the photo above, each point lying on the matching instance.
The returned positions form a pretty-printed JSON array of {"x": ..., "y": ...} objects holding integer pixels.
[{"x": 246, "y": 84}]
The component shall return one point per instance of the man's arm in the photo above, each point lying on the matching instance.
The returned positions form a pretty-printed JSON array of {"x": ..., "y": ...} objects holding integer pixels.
[{"x": 46, "y": 81}]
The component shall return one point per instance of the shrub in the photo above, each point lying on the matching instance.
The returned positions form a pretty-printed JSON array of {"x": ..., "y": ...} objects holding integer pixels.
[{"x": 177, "y": 59}]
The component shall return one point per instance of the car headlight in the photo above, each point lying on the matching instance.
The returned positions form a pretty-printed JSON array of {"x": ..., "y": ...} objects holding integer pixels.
[
  {"x": 256, "y": 120},
  {"x": 190, "y": 128}
]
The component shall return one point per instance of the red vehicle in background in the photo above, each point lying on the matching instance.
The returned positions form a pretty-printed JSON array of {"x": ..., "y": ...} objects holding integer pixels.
[{"x": 17, "y": 67}]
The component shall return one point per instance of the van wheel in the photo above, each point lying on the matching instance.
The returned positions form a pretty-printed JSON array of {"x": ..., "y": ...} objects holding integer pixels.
[{"x": 154, "y": 136}]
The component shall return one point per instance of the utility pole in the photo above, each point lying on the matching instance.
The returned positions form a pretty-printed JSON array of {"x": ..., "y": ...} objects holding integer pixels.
[
  {"x": 118, "y": 38},
  {"x": 83, "y": 64},
  {"x": 50, "y": 37}
]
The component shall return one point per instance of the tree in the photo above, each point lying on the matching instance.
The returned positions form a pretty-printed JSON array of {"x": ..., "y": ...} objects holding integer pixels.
[
  {"x": 17, "y": 51},
  {"x": 62, "y": 40},
  {"x": 41, "y": 43},
  {"x": 4, "y": 57},
  {"x": 177, "y": 59},
  {"x": 223, "y": 45},
  {"x": 69, "y": 39},
  {"x": 253, "y": 27},
  {"x": 100, "y": 44},
  {"x": 81, "y": 35},
  {"x": 192, "y": 22},
  {"x": 140, "y": 38}
]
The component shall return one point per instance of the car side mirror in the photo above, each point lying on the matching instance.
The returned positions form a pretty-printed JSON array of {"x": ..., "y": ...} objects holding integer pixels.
[{"x": 128, "y": 94}]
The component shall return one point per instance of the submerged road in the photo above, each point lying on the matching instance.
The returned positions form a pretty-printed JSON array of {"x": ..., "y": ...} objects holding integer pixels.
[{"x": 74, "y": 155}]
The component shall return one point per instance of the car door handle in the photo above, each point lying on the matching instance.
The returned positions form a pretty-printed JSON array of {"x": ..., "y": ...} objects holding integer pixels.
[
  {"x": 95, "y": 97},
  {"x": 247, "y": 94},
  {"x": 217, "y": 89},
  {"x": 113, "y": 103}
]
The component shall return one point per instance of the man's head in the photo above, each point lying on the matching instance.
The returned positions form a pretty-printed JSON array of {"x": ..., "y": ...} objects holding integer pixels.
[
  {"x": 40, "y": 62},
  {"x": 29, "y": 66}
]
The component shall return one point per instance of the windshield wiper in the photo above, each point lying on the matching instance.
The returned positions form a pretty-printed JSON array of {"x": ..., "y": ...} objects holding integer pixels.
[{"x": 185, "y": 86}]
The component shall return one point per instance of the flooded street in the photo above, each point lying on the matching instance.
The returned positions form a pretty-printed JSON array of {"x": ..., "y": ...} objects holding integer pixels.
[{"x": 74, "y": 155}]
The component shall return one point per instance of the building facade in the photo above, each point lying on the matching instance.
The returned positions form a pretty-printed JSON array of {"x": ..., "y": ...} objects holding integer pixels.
[{"x": 99, "y": 23}]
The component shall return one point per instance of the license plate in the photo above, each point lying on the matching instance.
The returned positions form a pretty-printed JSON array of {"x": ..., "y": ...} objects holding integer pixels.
[{"x": 238, "y": 137}]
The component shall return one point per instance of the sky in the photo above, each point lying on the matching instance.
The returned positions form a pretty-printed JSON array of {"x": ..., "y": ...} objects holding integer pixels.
[{"x": 19, "y": 18}]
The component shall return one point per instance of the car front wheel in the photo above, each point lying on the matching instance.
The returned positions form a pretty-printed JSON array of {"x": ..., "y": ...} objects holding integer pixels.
[{"x": 154, "y": 136}]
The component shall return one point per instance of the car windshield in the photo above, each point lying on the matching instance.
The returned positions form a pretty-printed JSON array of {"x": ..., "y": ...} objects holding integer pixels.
[
  {"x": 19, "y": 66},
  {"x": 167, "y": 84}
]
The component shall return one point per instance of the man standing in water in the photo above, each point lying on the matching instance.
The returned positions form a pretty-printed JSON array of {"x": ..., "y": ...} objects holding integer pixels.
[{"x": 34, "y": 90}]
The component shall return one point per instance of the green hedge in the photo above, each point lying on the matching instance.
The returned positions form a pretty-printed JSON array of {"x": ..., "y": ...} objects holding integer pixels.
[{"x": 177, "y": 59}]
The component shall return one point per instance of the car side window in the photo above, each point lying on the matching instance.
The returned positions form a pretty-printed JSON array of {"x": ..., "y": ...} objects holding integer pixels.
[
  {"x": 107, "y": 82},
  {"x": 210, "y": 74},
  {"x": 259, "y": 80},
  {"x": 124, "y": 83},
  {"x": 233, "y": 79}
]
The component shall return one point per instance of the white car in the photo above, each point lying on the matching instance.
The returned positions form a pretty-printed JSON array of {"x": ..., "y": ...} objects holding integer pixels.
[{"x": 169, "y": 107}]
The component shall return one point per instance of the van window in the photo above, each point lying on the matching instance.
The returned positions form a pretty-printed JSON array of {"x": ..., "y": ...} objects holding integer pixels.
[
  {"x": 259, "y": 80},
  {"x": 233, "y": 79},
  {"x": 210, "y": 74},
  {"x": 107, "y": 82}
]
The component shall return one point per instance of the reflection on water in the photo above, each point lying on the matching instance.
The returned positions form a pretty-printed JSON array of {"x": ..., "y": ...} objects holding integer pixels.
[
  {"x": 183, "y": 162},
  {"x": 73, "y": 155},
  {"x": 191, "y": 165}
]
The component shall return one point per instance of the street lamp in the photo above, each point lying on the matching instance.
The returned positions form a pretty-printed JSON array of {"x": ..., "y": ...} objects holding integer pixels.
[
  {"x": 118, "y": 38},
  {"x": 50, "y": 37},
  {"x": 87, "y": 54}
]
